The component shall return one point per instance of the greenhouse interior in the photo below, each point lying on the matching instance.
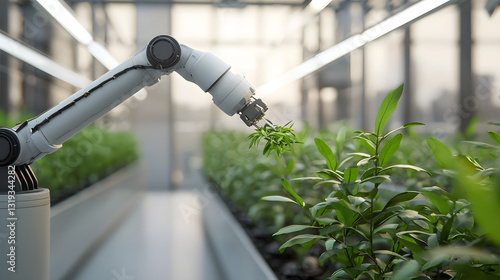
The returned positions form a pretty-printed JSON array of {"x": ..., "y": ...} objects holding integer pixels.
[{"x": 249, "y": 139}]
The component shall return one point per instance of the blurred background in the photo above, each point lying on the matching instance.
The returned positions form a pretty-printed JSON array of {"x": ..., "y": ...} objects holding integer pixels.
[
  {"x": 447, "y": 60},
  {"x": 447, "y": 56}
]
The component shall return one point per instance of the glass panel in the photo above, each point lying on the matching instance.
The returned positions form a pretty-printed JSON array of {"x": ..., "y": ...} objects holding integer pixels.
[
  {"x": 485, "y": 57},
  {"x": 435, "y": 70}
]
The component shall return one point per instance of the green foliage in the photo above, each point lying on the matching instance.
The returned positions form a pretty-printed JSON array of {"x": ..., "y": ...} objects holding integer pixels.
[
  {"x": 84, "y": 159},
  {"x": 367, "y": 233},
  {"x": 279, "y": 138},
  {"x": 389, "y": 105},
  {"x": 377, "y": 203},
  {"x": 477, "y": 183}
]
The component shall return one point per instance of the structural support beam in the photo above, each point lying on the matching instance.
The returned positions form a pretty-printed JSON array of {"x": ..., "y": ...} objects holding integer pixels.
[
  {"x": 4, "y": 59},
  {"x": 364, "y": 122},
  {"x": 36, "y": 84},
  {"x": 467, "y": 108},
  {"x": 407, "y": 96}
]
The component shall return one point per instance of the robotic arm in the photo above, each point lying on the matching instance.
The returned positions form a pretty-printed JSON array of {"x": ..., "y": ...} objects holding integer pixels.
[{"x": 42, "y": 135}]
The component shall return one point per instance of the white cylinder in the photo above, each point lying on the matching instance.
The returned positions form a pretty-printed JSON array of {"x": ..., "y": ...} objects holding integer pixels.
[{"x": 25, "y": 240}]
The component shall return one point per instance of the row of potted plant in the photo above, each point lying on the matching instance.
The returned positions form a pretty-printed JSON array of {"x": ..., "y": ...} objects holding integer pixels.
[{"x": 360, "y": 205}]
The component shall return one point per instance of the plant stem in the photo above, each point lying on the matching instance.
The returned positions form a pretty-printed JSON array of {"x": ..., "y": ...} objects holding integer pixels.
[
  {"x": 347, "y": 249},
  {"x": 372, "y": 197}
]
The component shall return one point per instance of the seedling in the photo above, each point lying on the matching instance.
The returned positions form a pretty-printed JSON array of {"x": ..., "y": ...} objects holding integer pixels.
[{"x": 279, "y": 138}]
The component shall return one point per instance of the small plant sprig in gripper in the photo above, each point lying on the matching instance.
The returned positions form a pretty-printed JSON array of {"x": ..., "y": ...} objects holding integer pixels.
[{"x": 279, "y": 138}]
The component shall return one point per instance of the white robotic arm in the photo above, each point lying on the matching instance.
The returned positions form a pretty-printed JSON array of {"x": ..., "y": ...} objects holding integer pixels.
[{"x": 44, "y": 134}]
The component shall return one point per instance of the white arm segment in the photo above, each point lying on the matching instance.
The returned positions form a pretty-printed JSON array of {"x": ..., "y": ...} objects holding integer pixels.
[
  {"x": 230, "y": 91},
  {"x": 49, "y": 136},
  {"x": 45, "y": 134}
]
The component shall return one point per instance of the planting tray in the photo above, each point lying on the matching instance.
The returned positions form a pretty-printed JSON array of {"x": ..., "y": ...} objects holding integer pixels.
[
  {"x": 80, "y": 223},
  {"x": 235, "y": 252}
]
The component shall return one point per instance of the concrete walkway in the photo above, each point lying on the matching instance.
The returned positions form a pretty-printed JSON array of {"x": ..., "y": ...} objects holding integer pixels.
[{"x": 155, "y": 242}]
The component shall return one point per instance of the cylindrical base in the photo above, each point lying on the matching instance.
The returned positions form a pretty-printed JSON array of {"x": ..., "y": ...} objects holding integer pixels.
[{"x": 25, "y": 236}]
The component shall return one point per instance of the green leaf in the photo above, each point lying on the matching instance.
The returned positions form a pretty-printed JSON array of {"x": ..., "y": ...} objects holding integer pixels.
[
  {"x": 410, "y": 243},
  {"x": 485, "y": 204},
  {"x": 331, "y": 229},
  {"x": 409, "y": 232},
  {"x": 434, "y": 262},
  {"x": 367, "y": 143},
  {"x": 494, "y": 136},
  {"x": 328, "y": 254},
  {"x": 360, "y": 233},
  {"x": 390, "y": 253},
  {"x": 401, "y": 197},
  {"x": 391, "y": 228},
  {"x": 389, "y": 149},
  {"x": 290, "y": 165},
  {"x": 438, "y": 199},
  {"x": 388, "y": 106},
  {"x": 406, "y": 166},
  {"x": 402, "y": 127},
  {"x": 351, "y": 174},
  {"x": 407, "y": 271},
  {"x": 318, "y": 179},
  {"x": 471, "y": 127},
  {"x": 331, "y": 183},
  {"x": 339, "y": 274},
  {"x": 329, "y": 244},
  {"x": 327, "y": 153},
  {"x": 300, "y": 239},
  {"x": 344, "y": 213},
  {"x": 293, "y": 228},
  {"x": 443, "y": 155},
  {"x": 278, "y": 198},
  {"x": 363, "y": 155},
  {"x": 326, "y": 220},
  {"x": 364, "y": 161},
  {"x": 481, "y": 144},
  {"x": 445, "y": 232},
  {"x": 378, "y": 179},
  {"x": 288, "y": 187},
  {"x": 331, "y": 174},
  {"x": 344, "y": 161},
  {"x": 411, "y": 215}
]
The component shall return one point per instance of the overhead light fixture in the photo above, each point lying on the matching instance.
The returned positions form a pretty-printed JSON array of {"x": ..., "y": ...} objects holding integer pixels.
[
  {"x": 63, "y": 14},
  {"x": 301, "y": 18},
  {"x": 66, "y": 17},
  {"x": 41, "y": 62},
  {"x": 352, "y": 43},
  {"x": 102, "y": 55},
  {"x": 317, "y": 6}
]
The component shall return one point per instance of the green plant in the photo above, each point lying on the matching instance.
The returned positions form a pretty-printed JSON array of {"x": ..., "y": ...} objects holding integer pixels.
[
  {"x": 479, "y": 185},
  {"x": 84, "y": 159},
  {"x": 366, "y": 231},
  {"x": 279, "y": 138},
  {"x": 87, "y": 157}
]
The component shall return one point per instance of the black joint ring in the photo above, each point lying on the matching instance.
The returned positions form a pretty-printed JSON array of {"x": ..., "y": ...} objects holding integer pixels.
[
  {"x": 163, "y": 52},
  {"x": 9, "y": 146}
]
